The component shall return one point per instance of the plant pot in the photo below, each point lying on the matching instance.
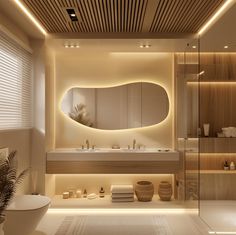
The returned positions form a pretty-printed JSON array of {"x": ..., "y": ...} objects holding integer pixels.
[
  {"x": 165, "y": 191},
  {"x": 144, "y": 191},
  {"x": 2, "y": 219}
]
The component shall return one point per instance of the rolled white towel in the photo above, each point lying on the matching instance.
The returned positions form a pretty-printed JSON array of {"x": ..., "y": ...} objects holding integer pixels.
[{"x": 122, "y": 189}]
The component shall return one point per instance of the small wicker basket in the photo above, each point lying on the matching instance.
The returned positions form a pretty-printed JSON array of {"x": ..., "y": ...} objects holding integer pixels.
[{"x": 144, "y": 191}]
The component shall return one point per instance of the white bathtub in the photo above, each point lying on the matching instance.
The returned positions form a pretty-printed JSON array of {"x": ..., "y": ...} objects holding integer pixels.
[{"x": 24, "y": 214}]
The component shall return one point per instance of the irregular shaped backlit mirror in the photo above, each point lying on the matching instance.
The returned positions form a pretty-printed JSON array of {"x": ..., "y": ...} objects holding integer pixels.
[{"x": 122, "y": 107}]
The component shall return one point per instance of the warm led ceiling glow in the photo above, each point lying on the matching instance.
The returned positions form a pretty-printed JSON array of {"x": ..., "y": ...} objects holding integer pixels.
[
  {"x": 30, "y": 16},
  {"x": 212, "y": 20}
]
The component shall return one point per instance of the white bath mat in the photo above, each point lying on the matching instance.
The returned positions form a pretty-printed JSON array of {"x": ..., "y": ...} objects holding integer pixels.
[{"x": 114, "y": 225}]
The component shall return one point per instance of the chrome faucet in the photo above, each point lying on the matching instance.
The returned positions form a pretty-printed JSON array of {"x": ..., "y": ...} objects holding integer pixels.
[
  {"x": 87, "y": 144},
  {"x": 134, "y": 143}
]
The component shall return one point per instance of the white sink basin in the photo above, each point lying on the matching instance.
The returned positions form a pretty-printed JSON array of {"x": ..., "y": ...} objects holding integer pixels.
[{"x": 107, "y": 154}]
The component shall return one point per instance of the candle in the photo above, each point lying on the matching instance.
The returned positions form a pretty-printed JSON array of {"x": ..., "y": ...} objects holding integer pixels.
[
  {"x": 65, "y": 195},
  {"x": 78, "y": 193}
]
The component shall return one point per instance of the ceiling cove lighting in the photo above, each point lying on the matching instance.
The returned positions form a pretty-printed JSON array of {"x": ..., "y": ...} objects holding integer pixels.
[
  {"x": 214, "y": 18},
  {"x": 30, "y": 16}
]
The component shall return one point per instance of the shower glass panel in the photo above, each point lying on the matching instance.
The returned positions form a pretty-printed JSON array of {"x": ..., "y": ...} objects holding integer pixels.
[
  {"x": 217, "y": 119},
  {"x": 187, "y": 129}
]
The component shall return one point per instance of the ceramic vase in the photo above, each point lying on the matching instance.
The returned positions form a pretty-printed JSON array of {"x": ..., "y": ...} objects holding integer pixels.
[
  {"x": 144, "y": 191},
  {"x": 165, "y": 191}
]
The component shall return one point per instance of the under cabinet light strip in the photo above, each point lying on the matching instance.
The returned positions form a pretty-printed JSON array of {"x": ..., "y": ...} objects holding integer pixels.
[
  {"x": 30, "y": 16},
  {"x": 219, "y": 12}
]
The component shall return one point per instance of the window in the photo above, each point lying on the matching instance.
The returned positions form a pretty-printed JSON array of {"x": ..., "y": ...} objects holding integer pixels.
[{"x": 15, "y": 85}]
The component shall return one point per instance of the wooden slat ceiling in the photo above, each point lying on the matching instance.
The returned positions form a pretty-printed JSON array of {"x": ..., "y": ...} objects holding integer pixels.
[{"x": 126, "y": 16}]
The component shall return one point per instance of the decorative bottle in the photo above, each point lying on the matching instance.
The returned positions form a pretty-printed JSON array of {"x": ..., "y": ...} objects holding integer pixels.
[
  {"x": 85, "y": 193},
  {"x": 101, "y": 192},
  {"x": 226, "y": 165},
  {"x": 232, "y": 166}
]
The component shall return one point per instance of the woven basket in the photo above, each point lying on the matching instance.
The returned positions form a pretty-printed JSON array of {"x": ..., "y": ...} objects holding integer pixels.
[
  {"x": 165, "y": 191},
  {"x": 144, "y": 191}
]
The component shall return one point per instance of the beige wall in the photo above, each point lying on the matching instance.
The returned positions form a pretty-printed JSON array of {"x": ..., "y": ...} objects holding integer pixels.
[
  {"x": 15, "y": 32},
  {"x": 19, "y": 140},
  {"x": 38, "y": 131},
  {"x": 93, "y": 69}
]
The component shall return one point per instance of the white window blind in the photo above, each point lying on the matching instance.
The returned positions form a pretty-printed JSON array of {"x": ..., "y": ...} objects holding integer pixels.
[{"x": 15, "y": 85}]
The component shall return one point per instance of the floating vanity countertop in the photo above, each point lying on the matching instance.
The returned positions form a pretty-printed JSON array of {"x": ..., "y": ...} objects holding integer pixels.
[{"x": 103, "y": 154}]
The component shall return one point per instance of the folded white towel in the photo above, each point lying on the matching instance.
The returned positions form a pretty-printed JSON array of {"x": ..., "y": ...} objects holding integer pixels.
[
  {"x": 122, "y": 189},
  {"x": 131, "y": 199},
  {"x": 122, "y": 195}
]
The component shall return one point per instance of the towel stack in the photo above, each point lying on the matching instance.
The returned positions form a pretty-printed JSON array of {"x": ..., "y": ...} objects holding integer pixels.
[{"x": 122, "y": 193}]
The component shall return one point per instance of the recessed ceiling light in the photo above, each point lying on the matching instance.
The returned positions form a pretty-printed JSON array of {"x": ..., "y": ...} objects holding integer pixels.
[
  {"x": 145, "y": 46},
  {"x": 226, "y": 47},
  {"x": 72, "y": 14},
  {"x": 194, "y": 47},
  {"x": 71, "y": 45}
]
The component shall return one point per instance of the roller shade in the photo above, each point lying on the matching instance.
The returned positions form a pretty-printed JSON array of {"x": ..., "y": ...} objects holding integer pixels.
[{"x": 15, "y": 85}]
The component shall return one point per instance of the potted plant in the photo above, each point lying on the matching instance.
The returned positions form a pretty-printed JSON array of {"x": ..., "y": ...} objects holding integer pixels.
[{"x": 8, "y": 183}]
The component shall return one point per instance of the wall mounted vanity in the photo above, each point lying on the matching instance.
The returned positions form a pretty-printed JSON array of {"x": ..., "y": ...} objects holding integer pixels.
[{"x": 112, "y": 161}]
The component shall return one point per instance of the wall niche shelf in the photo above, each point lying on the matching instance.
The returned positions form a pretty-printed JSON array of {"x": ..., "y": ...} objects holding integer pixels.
[
  {"x": 211, "y": 171},
  {"x": 218, "y": 145}
]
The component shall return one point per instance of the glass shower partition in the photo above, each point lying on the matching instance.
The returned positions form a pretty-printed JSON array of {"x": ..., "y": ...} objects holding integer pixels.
[
  {"x": 217, "y": 119},
  {"x": 187, "y": 119}
]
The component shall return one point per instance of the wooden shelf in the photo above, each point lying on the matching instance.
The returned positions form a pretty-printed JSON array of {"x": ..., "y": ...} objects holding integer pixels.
[
  {"x": 84, "y": 203},
  {"x": 211, "y": 171}
]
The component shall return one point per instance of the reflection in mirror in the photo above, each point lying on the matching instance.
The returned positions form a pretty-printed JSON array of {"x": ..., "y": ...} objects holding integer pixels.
[{"x": 122, "y": 107}]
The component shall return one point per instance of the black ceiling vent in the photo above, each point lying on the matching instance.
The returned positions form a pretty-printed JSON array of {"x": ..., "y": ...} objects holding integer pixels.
[{"x": 72, "y": 14}]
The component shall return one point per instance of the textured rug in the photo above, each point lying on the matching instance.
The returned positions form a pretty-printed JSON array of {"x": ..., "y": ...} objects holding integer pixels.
[{"x": 114, "y": 225}]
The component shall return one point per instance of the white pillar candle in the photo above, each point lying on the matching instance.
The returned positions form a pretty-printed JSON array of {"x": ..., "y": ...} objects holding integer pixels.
[
  {"x": 78, "y": 193},
  {"x": 65, "y": 195}
]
